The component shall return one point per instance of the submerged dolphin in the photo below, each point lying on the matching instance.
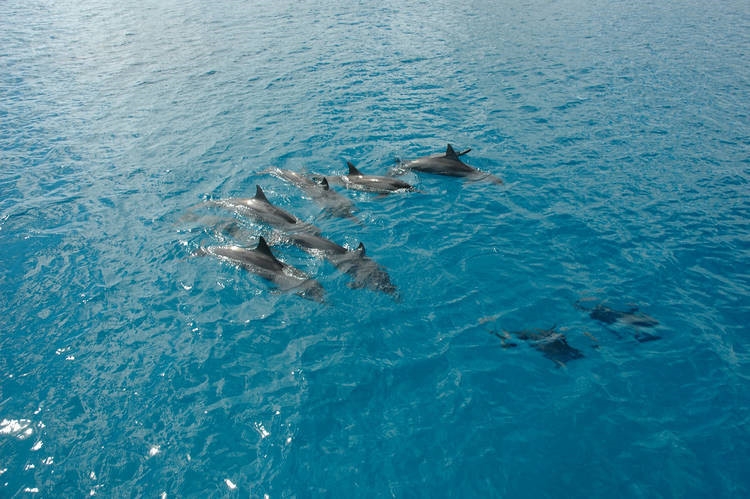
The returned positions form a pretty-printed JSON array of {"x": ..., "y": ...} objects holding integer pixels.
[
  {"x": 631, "y": 318},
  {"x": 261, "y": 261},
  {"x": 550, "y": 342},
  {"x": 259, "y": 208},
  {"x": 370, "y": 183},
  {"x": 331, "y": 201},
  {"x": 448, "y": 164}
]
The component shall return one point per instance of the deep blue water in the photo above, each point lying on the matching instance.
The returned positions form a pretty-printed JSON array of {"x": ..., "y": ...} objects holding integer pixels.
[{"x": 130, "y": 368}]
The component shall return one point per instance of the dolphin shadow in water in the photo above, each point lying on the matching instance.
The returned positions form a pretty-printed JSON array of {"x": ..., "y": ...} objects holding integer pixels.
[
  {"x": 447, "y": 164},
  {"x": 331, "y": 201},
  {"x": 357, "y": 180},
  {"x": 631, "y": 318},
  {"x": 550, "y": 342},
  {"x": 262, "y": 262}
]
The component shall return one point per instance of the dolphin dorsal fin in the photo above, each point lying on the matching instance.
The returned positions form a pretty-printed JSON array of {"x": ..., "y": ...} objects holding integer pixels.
[
  {"x": 259, "y": 195},
  {"x": 450, "y": 153},
  {"x": 361, "y": 249},
  {"x": 264, "y": 248},
  {"x": 353, "y": 169},
  {"x": 325, "y": 185}
]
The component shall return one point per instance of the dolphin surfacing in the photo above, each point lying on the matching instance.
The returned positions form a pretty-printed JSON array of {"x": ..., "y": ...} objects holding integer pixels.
[
  {"x": 450, "y": 165},
  {"x": 260, "y": 208},
  {"x": 320, "y": 192},
  {"x": 357, "y": 180},
  {"x": 262, "y": 262},
  {"x": 363, "y": 270}
]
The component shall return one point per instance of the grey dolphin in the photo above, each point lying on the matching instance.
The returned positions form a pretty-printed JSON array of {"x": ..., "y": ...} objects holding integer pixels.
[
  {"x": 550, "y": 342},
  {"x": 364, "y": 271},
  {"x": 370, "y": 183},
  {"x": 331, "y": 201},
  {"x": 631, "y": 318},
  {"x": 448, "y": 164},
  {"x": 262, "y": 262},
  {"x": 259, "y": 208}
]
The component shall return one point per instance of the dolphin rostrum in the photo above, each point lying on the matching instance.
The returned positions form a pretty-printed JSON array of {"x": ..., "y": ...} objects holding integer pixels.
[
  {"x": 448, "y": 164},
  {"x": 259, "y": 208},
  {"x": 262, "y": 262},
  {"x": 370, "y": 183},
  {"x": 330, "y": 200}
]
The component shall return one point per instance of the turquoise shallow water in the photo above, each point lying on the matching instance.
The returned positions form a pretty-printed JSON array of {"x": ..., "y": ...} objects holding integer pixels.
[{"x": 130, "y": 368}]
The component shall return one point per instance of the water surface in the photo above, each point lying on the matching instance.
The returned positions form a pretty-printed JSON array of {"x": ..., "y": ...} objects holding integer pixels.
[{"x": 130, "y": 367}]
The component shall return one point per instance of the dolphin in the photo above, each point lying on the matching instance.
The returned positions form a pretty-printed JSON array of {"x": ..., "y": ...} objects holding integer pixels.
[
  {"x": 259, "y": 208},
  {"x": 262, "y": 262},
  {"x": 631, "y": 318},
  {"x": 364, "y": 271},
  {"x": 370, "y": 183},
  {"x": 330, "y": 200},
  {"x": 448, "y": 164},
  {"x": 550, "y": 342}
]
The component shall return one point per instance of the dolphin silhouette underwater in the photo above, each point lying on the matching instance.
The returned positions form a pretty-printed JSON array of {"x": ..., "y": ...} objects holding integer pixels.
[
  {"x": 550, "y": 342},
  {"x": 631, "y": 318},
  {"x": 262, "y": 262},
  {"x": 447, "y": 164},
  {"x": 320, "y": 192},
  {"x": 260, "y": 208},
  {"x": 357, "y": 180}
]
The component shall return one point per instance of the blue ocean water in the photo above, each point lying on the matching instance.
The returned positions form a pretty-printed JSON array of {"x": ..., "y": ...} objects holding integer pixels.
[{"x": 129, "y": 367}]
